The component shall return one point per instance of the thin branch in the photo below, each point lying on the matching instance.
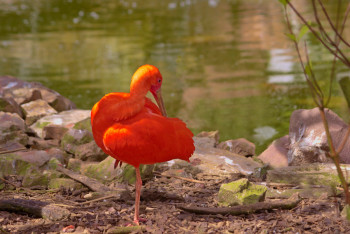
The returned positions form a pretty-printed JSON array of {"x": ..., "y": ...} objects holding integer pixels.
[
  {"x": 342, "y": 144},
  {"x": 331, "y": 24},
  {"x": 341, "y": 57}
]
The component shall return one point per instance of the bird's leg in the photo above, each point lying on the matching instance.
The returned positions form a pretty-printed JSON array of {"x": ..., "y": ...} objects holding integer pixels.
[{"x": 138, "y": 186}]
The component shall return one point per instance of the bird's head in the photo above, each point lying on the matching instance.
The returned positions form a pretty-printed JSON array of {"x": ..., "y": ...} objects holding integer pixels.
[{"x": 148, "y": 78}]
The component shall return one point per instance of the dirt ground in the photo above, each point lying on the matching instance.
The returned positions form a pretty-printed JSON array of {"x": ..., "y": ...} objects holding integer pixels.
[{"x": 159, "y": 201}]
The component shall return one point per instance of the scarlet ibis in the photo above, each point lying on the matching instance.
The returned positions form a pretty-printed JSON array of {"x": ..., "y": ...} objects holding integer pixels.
[{"x": 132, "y": 129}]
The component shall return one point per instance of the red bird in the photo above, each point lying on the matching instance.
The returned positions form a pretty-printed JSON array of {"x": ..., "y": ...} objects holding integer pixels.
[{"x": 132, "y": 129}]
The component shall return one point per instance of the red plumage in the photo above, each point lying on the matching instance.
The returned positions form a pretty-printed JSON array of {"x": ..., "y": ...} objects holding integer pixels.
[{"x": 132, "y": 129}]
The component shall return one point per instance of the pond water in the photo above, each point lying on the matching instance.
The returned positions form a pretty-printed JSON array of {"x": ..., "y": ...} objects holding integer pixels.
[{"x": 227, "y": 65}]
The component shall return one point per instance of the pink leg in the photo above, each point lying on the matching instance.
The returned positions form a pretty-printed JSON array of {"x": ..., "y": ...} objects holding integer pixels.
[{"x": 138, "y": 186}]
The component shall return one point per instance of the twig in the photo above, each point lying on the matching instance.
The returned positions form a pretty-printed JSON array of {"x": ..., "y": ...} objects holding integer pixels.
[
  {"x": 8, "y": 182},
  {"x": 12, "y": 151},
  {"x": 100, "y": 199},
  {"x": 342, "y": 144},
  {"x": 181, "y": 178},
  {"x": 245, "y": 209}
]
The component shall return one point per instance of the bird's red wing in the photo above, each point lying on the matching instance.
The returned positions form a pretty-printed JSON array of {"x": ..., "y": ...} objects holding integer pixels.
[{"x": 149, "y": 138}]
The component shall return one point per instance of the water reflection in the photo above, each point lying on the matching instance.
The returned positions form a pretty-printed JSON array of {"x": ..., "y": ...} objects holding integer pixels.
[{"x": 227, "y": 64}]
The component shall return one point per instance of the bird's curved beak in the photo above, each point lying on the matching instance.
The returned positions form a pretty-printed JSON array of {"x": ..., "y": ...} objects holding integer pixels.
[{"x": 159, "y": 99}]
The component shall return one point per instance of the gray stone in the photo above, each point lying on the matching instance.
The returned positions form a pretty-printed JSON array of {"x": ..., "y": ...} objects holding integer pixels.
[
  {"x": 241, "y": 192},
  {"x": 34, "y": 110},
  {"x": 90, "y": 152},
  {"x": 276, "y": 154},
  {"x": 308, "y": 141},
  {"x": 239, "y": 146},
  {"x": 65, "y": 119}
]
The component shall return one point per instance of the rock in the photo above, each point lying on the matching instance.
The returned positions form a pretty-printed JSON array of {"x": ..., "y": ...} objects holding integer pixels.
[
  {"x": 40, "y": 144},
  {"x": 34, "y": 110},
  {"x": 307, "y": 192},
  {"x": 239, "y": 146},
  {"x": 66, "y": 119},
  {"x": 53, "y": 131},
  {"x": 75, "y": 137},
  {"x": 13, "y": 164},
  {"x": 65, "y": 183},
  {"x": 309, "y": 174},
  {"x": 215, "y": 161},
  {"x": 84, "y": 124},
  {"x": 10, "y": 105},
  {"x": 105, "y": 172},
  {"x": 23, "y": 92},
  {"x": 74, "y": 164},
  {"x": 11, "y": 122},
  {"x": 36, "y": 177},
  {"x": 241, "y": 192},
  {"x": 24, "y": 95},
  {"x": 276, "y": 154},
  {"x": 61, "y": 104},
  {"x": 34, "y": 157},
  {"x": 207, "y": 139},
  {"x": 90, "y": 152},
  {"x": 308, "y": 141}
]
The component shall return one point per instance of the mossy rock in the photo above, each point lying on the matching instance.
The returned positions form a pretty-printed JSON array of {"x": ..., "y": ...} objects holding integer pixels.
[
  {"x": 56, "y": 183},
  {"x": 105, "y": 172},
  {"x": 240, "y": 192},
  {"x": 84, "y": 124},
  {"x": 310, "y": 174},
  {"x": 74, "y": 164},
  {"x": 129, "y": 173},
  {"x": 12, "y": 164},
  {"x": 36, "y": 177}
]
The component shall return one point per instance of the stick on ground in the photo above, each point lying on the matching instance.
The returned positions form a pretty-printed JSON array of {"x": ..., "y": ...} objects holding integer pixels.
[
  {"x": 37, "y": 208},
  {"x": 245, "y": 209}
]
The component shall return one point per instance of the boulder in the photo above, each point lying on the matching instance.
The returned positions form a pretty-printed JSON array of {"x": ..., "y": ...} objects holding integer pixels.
[
  {"x": 11, "y": 122},
  {"x": 309, "y": 174},
  {"x": 53, "y": 131},
  {"x": 24, "y": 92},
  {"x": 34, "y": 110},
  {"x": 308, "y": 141},
  {"x": 10, "y": 105},
  {"x": 65, "y": 183},
  {"x": 105, "y": 172},
  {"x": 276, "y": 154},
  {"x": 65, "y": 119},
  {"x": 222, "y": 162},
  {"x": 241, "y": 192},
  {"x": 41, "y": 144},
  {"x": 239, "y": 146},
  {"x": 12, "y": 132},
  {"x": 75, "y": 137},
  {"x": 90, "y": 152},
  {"x": 207, "y": 139}
]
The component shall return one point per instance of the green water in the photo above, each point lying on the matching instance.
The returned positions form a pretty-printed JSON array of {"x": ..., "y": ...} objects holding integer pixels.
[{"x": 227, "y": 65}]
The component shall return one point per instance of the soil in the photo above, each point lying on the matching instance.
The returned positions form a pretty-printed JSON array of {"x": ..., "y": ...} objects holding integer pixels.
[{"x": 159, "y": 200}]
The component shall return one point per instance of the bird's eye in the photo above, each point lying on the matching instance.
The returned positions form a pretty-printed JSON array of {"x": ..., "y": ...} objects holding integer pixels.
[{"x": 159, "y": 80}]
